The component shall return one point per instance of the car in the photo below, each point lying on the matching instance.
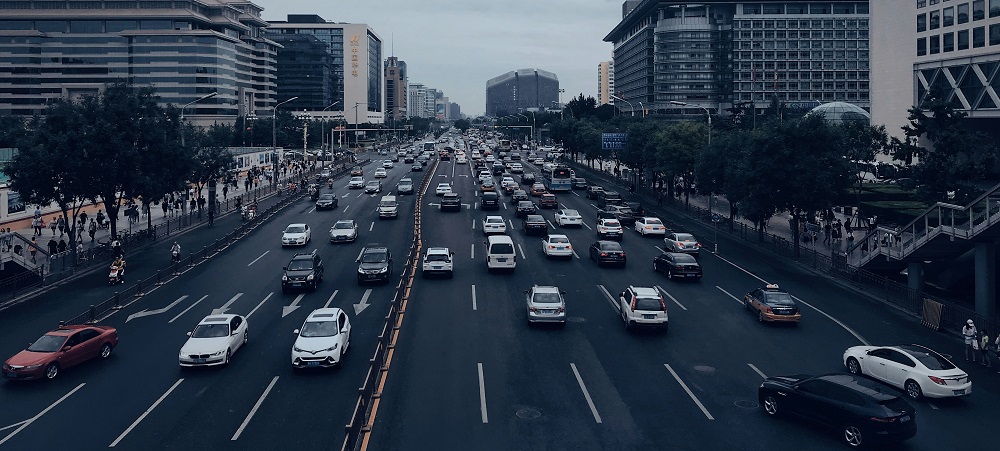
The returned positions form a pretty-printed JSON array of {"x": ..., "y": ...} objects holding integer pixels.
[
  {"x": 623, "y": 214},
  {"x": 771, "y": 304},
  {"x": 524, "y": 208},
  {"x": 59, "y": 349},
  {"x": 534, "y": 225},
  {"x": 451, "y": 202},
  {"x": 682, "y": 242},
  {"x": 609, "y": 229},
  {"x": 649, "y": 225},
  {"x": 381, "y": 173},
  {"x": 327, "y": 202},
  {"x": 548, "y": 201},
  {"x": 494, "y": 224},
  {"x": 214, "y": 340},
  {"x": 489, "y": 201},
  {"x": 356, "y": 182},
  {"x": 566, "y": 217},
  {"x": 516, "y": 168},
  {"x": 387, "y": 164},
  {"x": 423, "y": 160},
  {"x": 488, "y": 186},
  {"x": 374, "y": 264},
  {"x": 498, "y": 168},
  {"x": 373, "y": 187},
  {"x": 305, "y": 270},
  {"x": 395, "y": 158},
  {"x": 537, "y": 189},
  {"x": 545, "y": 304},
  {"x": 528, "y": 179},
  {"x": 405, "y": 186},
  {"x": 861, "y": 411},
  {"x": 579, "y": 183},
  {"x": 485, "y": 175},
  {"x": 643, "y": 307},
  {"x": 539, "y": 161},
  {"x": 442, "y": 189},
  {"x": 344, "y": 230},
  {"x": 917, "y": 370},
  {"x": 677, "y": 265},
  {"x": 445, "y": 156},
  {"x": 438, "y": 260},
  {"x": 509, "y": 185},
  {"x": 357, "y": 172},
  {"x": 490, "y": 158},
  {"x": 325, "y": 174},
  {"x": 416, "y": 168},
  {"x": 607, "y": 252},
  {"x": 606, "y": 198},
  {"x": 594, "y": 191},
  {"x": 322, "y": 340},
  {"x": 518, "y": 195},
  {"x": 461, "y": 159},
  {"x": 557, "y": 246},
  {"x": 408, "y": 159},
  {"x": 296, "y": 235}
]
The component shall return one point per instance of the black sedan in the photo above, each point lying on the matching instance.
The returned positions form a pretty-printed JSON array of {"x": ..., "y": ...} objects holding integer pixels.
[
  {"x": 534, "y": 225},
  {"x": 678, "y": 265},
  {"x": 528, "y": 179},
  {"x": 861, "y": 410},
  {"x": 518, "y": 195},
  {"x": 607, "y": 252},
  {"x": 525, "y": 208},
  {"x": 579, "y": 183},
  {"x": 416, "y": 168},
  {"x": 326, "y": 202}
]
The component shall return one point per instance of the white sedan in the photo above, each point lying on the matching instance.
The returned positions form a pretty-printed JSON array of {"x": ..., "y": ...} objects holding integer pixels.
[
  {"x": 380, "y": 173},
  {"x": 650, "y": 226},
  {"x": 557, "y": 246},
  {"x": 214, "y": 341},
  {"x": 917, "y": 370},
  {"x": 442, "y": 189},
  {"x": 494, "y": 224},
  {"x": 356, "y": 183},
  {"x": 296, "y": 235},
  {"x": 568, "y": 217},
  {"x": 322, "y": 340},
  {"x": 387, "y": 164}
]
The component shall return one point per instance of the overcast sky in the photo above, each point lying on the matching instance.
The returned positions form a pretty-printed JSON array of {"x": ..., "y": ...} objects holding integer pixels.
[{"x": 456, "y": 45}]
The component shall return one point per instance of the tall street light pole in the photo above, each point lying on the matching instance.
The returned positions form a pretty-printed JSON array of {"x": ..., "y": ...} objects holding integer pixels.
[
  {"x": 322, "y": 132},
  {"x": 274, "y": 141},
  {"x": 631, "y": 109},
  {"x": 561, "y": 91},
  {"x": 356, "y": 123},
  {"x": 199, "y": 99}
]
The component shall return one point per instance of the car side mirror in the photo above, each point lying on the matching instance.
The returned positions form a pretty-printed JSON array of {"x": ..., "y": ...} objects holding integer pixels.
[
  {"x": 66, "y": 348},
  {"x": 525, "y": 291},
  {"x": 344, "y": 330},
  {"x": 622, "y": 294},
  {"x": 284, "y": 268},
  {"x": 562, "y": 292},
  {"x": 296, "y": 331},
  {"x": 357, "y": 260},
  {"x": 189, "y": 334},
  {"x": 233, "y": 334}
]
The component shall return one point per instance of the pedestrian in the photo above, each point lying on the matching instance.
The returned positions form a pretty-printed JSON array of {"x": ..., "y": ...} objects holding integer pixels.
[
  {"x": 827, "y": 233},
  {"x": 53, "y": 248},
  {"x": 93, "y": 229},
  {"x": 984, "y": 348},
  {"x": 849, "y": 230},
  {"x": 33, "y": 249},
  {"x": 100, "y": 218},
  {"x": 969, "y": 333},
  {"x": 38, "y": 211},
  {"x": 61, "y": 225},
  {"x": 62, "y": 245},
  {"x": 53, "y": 224},
  {"x": 166, "y": 207},
  {"x": 225, "y": 191}
]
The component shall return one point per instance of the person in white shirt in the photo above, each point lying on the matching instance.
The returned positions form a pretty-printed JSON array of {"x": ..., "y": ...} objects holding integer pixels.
[{"x": 970, "y": 333}]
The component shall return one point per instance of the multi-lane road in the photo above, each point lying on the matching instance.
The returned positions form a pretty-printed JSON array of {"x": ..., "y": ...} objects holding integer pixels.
[{"x": 468, "y": 371}]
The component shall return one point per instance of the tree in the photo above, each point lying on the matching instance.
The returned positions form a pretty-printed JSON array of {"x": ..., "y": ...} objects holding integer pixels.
[
  {"x": 463, "y": 124},
  {"x": 678, "y": 147},
  {"x": 163, "y": 168},
  {"x": 861, "y": 143}
]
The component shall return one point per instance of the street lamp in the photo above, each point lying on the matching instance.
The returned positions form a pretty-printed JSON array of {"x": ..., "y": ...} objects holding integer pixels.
[
  {"x": 630, "y": 108},
  {"x": 561, "y": 91},
  {"x": 356, "y": 123},
  {"x": 199, "y": 99},
  {"x": 274, "y": 141},
  {"x": 322, "y": 139},
  {"x": 642, "y": 109}
]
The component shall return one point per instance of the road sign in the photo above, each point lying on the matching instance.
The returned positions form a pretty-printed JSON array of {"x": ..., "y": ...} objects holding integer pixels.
[
  {"x": 716, "y": 217},
  {"x": 613, "y": 141}
]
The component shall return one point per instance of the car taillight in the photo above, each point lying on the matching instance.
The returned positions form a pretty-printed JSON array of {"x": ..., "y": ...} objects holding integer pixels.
[
  {"x": 560, "y": 310},
  {"x": 937, "y": 380},
  {"x": 623, "y": 253},
  {"x": 604, "y": 254},
  {"x": 698, "y": 244},
  {"x": 883, "y": 420},
  {"x": 663, "y": 305}
]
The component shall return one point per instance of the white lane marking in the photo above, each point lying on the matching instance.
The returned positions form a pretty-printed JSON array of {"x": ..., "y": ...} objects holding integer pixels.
[
  {"x": 586, "y": 394},
  {"x": 672, "y": 298},
  {"x": 186, "y": 310},
  {"x": 359, "y": 195},
  {"x": 611, "y": 300},
  {"x": 473, "y": 251},
  {"x": 550, "y": 223},
  {"x": 345, "y": 208},
  {"x": 473, "y": 297},
  {"x": 312, "y": 210},
  {"x": 511, "y": 222},
  {"x": 523, "y": 257},
  {"x": 576, "y": 255},
  {"x": 660, "y": 249},
  {"x": 254, "y": 409},
  {"x": 504, "y": 205},
  {"x": 258, "y": 305},
  {"x": 13, "y": 425},
  {"x": 738, "y": 301},
  {"x": 28, "y": 422},
  {"x": 359, "y": 254},
  {"x": 146, "y": 413},
  {"x": 689, "y": 392},
  {"x": 258, "y": 258},
  {"x": 932, "y": 405},
  {"x": 575, "y": 193},
  {"x": 741, "y": 269},
  {"x": 328, "y": 301},
  {"x": 371, "y": 227},
  {"x": 476, "y": 205},
  {"x": 848, "y": 329},
  {"x": 756, "y": 370},
  {"x": 587, "y": 226},
  {"x": 482, "y": 395},
  {"x": 473, "y": 224},
  {"x": 563, "y": 206},
  {"x": 595, "y": 206}
]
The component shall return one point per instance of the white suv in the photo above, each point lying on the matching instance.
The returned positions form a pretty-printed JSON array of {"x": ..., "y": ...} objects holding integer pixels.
[
  {"x": 642, "y": 306},
  {"x": 609, "y": 229},
  {"x": 438, "y": 260}
]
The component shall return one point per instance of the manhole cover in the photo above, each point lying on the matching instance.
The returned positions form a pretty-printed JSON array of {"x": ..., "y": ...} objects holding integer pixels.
[
  {"x": 528, "y": 414},
  {"x": 575, "y": 319},
  {"x": 704, "y": 368},
  {"x": 746, "y": 404}
]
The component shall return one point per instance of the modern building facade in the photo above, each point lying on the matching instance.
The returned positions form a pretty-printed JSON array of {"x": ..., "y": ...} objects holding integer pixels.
[
  {"x": 717, "y": 53},
  {"x": 395, "y": 89},
  {"x": 416, "y": 100},
  {"x": 355, "y": 51},
  {"x": 521, "y": 90},
  {"x": 605, "y": 82},
  {"x": 305, "y": 70},
  {"x": 183, "y": 49}
]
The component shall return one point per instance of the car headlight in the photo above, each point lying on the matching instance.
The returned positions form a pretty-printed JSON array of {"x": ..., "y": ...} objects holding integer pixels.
[
  {"x": 332, "y": 348},
  {"x": 385, "y": 269},
  {"x": 216, "y": 353},
  {"x": 33, "y": 367},
  {"x": 361, "y": 271},
  {"x": 309, "y": 277},
  {"x": 284, "y": 278},
  {"x": 297, "y": 349}
]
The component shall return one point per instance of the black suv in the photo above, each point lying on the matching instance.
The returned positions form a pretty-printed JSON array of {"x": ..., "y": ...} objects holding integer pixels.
[
  {"x": 525, "y": 208},
  {"x": 623, "y": 214},
  {"x": 528, "y": 179},
  {"x": 374, "y": 264},
  {"x": 518, "y": 195},
  {"x": 593, "y": 191},
  {"x": 490, "y": 201},
  {"x": 451, "y": 202},
  {"x": 606, "y": 198},
  {"x": 579, "y": 183},
  {"x": 304, "y": 271}
]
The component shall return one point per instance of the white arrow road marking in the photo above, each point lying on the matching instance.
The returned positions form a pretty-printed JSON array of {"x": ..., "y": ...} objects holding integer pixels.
[
  {"x": 258, "y": 258},
  {"x": 225, "y": 307},
  {"x": 345, "y": 195},
  {"x": 28, "y": 422},
  {"x": 155, "y": 312},
  {"x": 328, "y": 301},
  {"x": 361, "y": 306},
  {"x": 293, "y": 306},
  {"x": 186, "y": 310},
  {"x": 261, "y": 303}
]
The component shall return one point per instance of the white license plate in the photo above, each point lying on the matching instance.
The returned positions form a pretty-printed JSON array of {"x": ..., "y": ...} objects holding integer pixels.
[
  {"x": 437, "y": 267},
  {"x": 648, "y": 316},
  {"x": 959, "y": 392}
]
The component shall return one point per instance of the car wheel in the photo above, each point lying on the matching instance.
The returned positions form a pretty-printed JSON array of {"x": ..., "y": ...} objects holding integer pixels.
[
  {"x": 852, "y": 436},
  {"x": 670, "y": 274},
  {"x": 913, "y": 389},
  {"x": 52, "y": 371},
  {"x": 105, "y": 350},
  {"x": 760, "y": 316},
  {"x": 853, "y": 366},
  {"x": 771, "y": 405},
  {"x": 746, "y": 304}
]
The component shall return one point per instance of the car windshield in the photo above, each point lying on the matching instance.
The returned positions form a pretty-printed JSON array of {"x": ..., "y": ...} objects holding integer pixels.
[
  {"x": 319, "y": 329},
  {"x": 653, "y": 222},
  {"x": 684, "y": 258},
  {"x": 373, "y": 183},
  {"x": 326, "y": 197},
  {"x": 437, "y": 257},
  {"x": 295, "y": 229},
  {"x": 502, "y": 248},
  {"x": 649, "y": 304},
  {"x": 48, "y": 343},
  {"x": 545, "y": 298},
  {"x": 494, "y": 220},
  {"x": 611, "y": 224},
  {"x": 571, "y": 213},
  {"x": 444, "y": 186},
  {"x": 685, "y": 237},
  {"x": 778, "y": 298},
  {"x": 558, "y": 239},
  {"x": 343, "y": 225},
  {"x": 357, "y": 179},
  {"x": 373, "y": 257},
  {"x": 210, "y": 331},
  {"x": 300, "y": 265},
  {"x": 932, "y": 360},
  {"x": 610, "y": 246}
]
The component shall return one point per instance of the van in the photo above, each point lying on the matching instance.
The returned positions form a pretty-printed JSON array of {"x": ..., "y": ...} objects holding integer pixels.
[
  {"x": 387, "y": 207},
  {"x": 500, "y": 253}
]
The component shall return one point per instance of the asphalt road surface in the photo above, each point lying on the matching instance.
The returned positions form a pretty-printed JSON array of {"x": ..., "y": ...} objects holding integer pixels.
[{"x": 468, "y": 371}]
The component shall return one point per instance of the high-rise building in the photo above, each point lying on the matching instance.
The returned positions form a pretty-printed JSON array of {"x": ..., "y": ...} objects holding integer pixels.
[
  {"x": 520, "y": 90},
  {"x": 395, "y": 89},
  {"x": 605, "y": 82},
  {"x": 715, "y": 53},
  {"x": 356, "y": 67},
  {"x": 185, "y": 50},
  {"x": 454, "y": 111},
  {"x": 416, "y": 101}
]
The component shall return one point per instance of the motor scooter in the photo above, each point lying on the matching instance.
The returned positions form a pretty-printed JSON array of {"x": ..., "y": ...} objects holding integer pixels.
[
  {"x": 116, "y": 275},
  {"x": 175, "y": 256}
]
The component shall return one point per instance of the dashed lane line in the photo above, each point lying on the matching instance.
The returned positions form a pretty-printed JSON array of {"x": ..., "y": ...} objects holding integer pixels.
[
  {"x": 738, "y": 301},
  {"x": 756, "y": 370},
  {"x": 28, "y": 422},
  {"x": 146, "y": 413},
  {"x": 672, "y": 298},
  {"x": 611, "y": 299},
  {"x": 253, "y": 411},
  {"x": 689, "y": 392},
  {"x": 186, "y": 310},
  {"x": 586, "y": 394}
]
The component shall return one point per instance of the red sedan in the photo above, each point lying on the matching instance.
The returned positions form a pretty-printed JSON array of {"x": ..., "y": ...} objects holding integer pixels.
[{"x": 61, "y": 348}]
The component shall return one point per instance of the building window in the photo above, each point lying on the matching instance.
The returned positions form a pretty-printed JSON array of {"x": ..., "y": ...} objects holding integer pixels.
[
  {"x": 995, "y": 34},
  {"x": 978, "y": 9},
  {"x": 935, "y": 44},
  {"x": 921, "y": 3},
  {"x": 949, "y": 16},
  {"x": 935, "y": 20},
  {"x": 949, "y": 42},
  {"x": 963, "y": 40},
  {"x": 994, "y": 8},
  {"x": 963, "y": 13},
  {"x": 978, "y": 37},
  {"x": 921, "y": 22}
]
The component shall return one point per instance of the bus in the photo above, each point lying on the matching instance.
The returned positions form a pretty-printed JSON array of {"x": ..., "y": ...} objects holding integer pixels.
[
  {"x": 559, "y": 178},
  {"x": 429, "y": 145},
  {"x": 504, "y": 145}
]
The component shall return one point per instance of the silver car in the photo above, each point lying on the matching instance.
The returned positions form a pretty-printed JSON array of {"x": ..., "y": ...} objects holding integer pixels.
[
  {"x": 343, "y": 231},
  {"x": 684, "y": 243},
  {"x": 545, "y": 304}
]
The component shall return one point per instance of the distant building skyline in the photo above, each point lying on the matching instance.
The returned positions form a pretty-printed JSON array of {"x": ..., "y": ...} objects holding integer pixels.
[
  {"x": 605, "y": 83},
  {"x": 521, "y": 89}
]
